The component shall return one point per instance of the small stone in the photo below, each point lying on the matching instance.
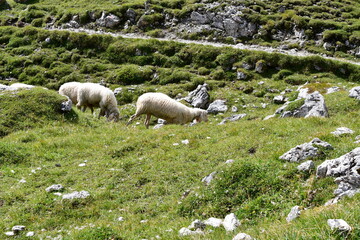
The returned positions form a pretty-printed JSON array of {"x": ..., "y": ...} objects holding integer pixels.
[
  {"x": 231, "y": 222},
  {"x": 242, "y": 236},
  {"x": 306, "y": 166},
  {"x": 76, "y": 195},
  {"x": 342, "y": 131},
  {"x": 18, "y": 228},
  {"x": 57, "y": 165},
  {"x": 187, "y": 232},
  {"x": 82, "y": 164},
  {"x": 144, "y": 221},
  {"x": 10, "y": 234},
  {"x": 339, "y": 225},
  {"x": 120, "y": 219},
  {"x": 230, "y": 161},
  {"x": 294, "y": 213},
  {"x": 22, "y": 181},
  {"x": 55, "y": 188},
  {"x": 197, "y": 224},
  {"x": 185, "y": 141},
  {"x": 30, "y": 234},
  {"x": 207, "y": 180}
]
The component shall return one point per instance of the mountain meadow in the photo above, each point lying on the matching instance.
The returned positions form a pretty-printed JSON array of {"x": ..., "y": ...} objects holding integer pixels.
[{"x": 139, "y": 183}]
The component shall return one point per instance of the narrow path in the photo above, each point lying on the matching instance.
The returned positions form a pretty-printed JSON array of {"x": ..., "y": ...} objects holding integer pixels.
[{"x": 292, "y": 52}]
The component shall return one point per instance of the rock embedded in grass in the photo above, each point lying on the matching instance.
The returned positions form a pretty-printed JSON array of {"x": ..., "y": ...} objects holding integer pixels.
[
  {"x": 342, "y": 131},
  {"x": 305, "y": 151},
  {"x": 242, "y": 236},
  {"x": 76, "y": 195},
  {"x": 306, "y": 166},
  {"x": 214, "y": 222},
  {"x": 207, "y": 180},
  {"x": 217, "y": 106},
  {"x": 54, "y": 188},
  {"x": 294, "y": 213},
  {"x": 355, "y": 93},
  {"x": 231, "y": 222},
  {"x": 339, "y": 225}
]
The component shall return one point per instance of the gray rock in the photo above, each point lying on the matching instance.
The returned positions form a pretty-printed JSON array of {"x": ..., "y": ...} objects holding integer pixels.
[
  {"x": 240, "y": 75},
  {"x": 66, "y": 106},
  {"x": 200, "y": 97},
  {"x": 232, "y": 118},
  {"x": 157, "y": 126},
  {"x": 280, "y": 99},
  {"x": 18, "y": 228},
  {"x": 187, "y": 232},
  {"x": 198, "y": 18},
  {"x": 207, "y": 180},
  {"x": 306, "y": 166},
  {"x": 117, "y": 90},
  {"x": 234, "y": 109},
  {"x": 217, "y": 106},
  {"x": 109, "y": 21},
  {"x": 342, "y": 131},
  {"x": 269, "y": 116},
  {"x": 76, "y": 195},
  {"x": 314, "y": 106},
  {"x": 30, "y": 234},
  {"x": 131, "y": 15},
  {"x": 339, "y": 225},
  {"x": 242, "y": 236},
  {"x": 19, "y": 86},
  {"x": 345, "y": 169},
  {"x": 259, "y": 67},
  {"x": 305, "y": 151},
  {"x": 197, "y": 224},
  {"x": 355, "y": 93},
  {"x": 231, "y": 222},
  {"x": 214, "y": 222},
  {"x": 332, "y": 90},
  {"x": 294, "y": 213},
  {"x": 55, "y": 188},
  {"x": 9, "y": 234}
]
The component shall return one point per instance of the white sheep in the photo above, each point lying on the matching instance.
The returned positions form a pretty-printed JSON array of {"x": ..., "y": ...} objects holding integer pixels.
[
  {"x": 70, "y": 90},
  {"x": 95, "y": 95},
  {"x": 162, "y": 106}
]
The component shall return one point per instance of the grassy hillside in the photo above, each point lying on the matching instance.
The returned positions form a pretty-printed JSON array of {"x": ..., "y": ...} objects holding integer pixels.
[
  {"x": 334, "y": 22},
  {"x": 141, "y": 174}
]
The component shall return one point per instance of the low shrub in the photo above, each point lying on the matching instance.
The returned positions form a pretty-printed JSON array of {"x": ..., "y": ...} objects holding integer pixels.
[
  {"x": 131, "y": 74},
  {"x": 297, "y": 79}
]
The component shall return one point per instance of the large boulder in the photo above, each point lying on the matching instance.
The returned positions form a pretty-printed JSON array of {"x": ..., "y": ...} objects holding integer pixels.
[
  {"x": 305, "y": 151},
  {"x": 355, "y": 93},
  {"x": 346, "y": 169},
  {"x": 217, "y": 106},
  {"x": 314, "y": 106},
  {"x": 200, "y": 97}
]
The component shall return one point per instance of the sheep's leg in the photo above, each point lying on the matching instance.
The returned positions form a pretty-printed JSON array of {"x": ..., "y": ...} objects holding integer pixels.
[
  {"x": 147, "y": 120},
  {"x": 102, "y": 113},
  {"x": 132, "y": 118}
]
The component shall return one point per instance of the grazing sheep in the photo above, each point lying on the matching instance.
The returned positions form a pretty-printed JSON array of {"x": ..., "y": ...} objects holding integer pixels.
[
  {"x": 162, "y": 106},
  {"x": 95, "y": 95},
  {"x": 70, "y": 90}
]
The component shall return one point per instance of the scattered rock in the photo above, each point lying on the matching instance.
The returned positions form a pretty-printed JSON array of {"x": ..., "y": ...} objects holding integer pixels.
[
  {"x": 197, "y": 224},
  {"x": 117, "y": 91},
  {"x": 294, "y": 213},
  {"x": 55, "y": 188},
  {"x": 120, "y": 219},
  {"x": 355, "y": 93},
  {"x": 207, "y": 180},
  {"x": 231, "y": 222},
  {"x": 339, "y": 225},
  {"x": 76, "y": 195},
  {"x": 342, "y": 131},
  {"x": 18, "y": 86},
  {"x": 242, "y": 236},
  {"x": 269, "y": 116},
  {"x": 332, "y": 90},
  {"x": 217, "y": 106},
  {"x": 229, "y": 161},
  {"x": 18, "y": 228},
  {"x": 157, "y": 126},
  {"x": 214, "y": 222},
  {"x": 10, "y": 233},
  {"x": 66, "y": 105},
  {"x": 241, "y": 75},
  {"x": 306, "y": 150},
  {"x": 234, "y": 109},
  {"x": 109, "y": 21},
  {"x": 187, "y": 232},
  {"x": 280, "y": 99},
  {"x": 232, "y": 118},
  {"x": 346, "y": 169},
  {"x": 200, "y": 97},
  {"x": 306, "y": 166},
  {"x": 30, "y": 234},
  {"x": 3, "y": 87}
]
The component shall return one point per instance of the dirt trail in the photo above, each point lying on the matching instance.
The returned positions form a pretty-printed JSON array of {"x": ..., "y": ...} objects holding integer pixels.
[{"x": 291, "y": 52}]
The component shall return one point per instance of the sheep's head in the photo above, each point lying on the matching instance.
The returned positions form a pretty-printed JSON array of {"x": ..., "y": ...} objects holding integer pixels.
[
  {"x": 201, "y": 116},
  {"x": 113, "y": 117}
]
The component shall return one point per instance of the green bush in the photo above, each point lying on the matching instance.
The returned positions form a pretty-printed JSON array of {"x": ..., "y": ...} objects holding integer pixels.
[
  {"x": 335, "y": 35},
  {"x": 297, "y": 79},
  {"x": 131, "y": 74},
  {"x": 282, "y": 74},
  {"x": 176, "y": 76}
]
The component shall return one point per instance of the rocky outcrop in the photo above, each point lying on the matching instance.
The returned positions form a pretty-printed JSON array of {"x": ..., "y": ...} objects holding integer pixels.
[
  {"x": 305, "y": 151},
  {"x": 200, "y": 97},
  {"x": 355, "y": 93},
  {"x": 217, "y": 106},
  {"x": 345, "y": 169}
]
